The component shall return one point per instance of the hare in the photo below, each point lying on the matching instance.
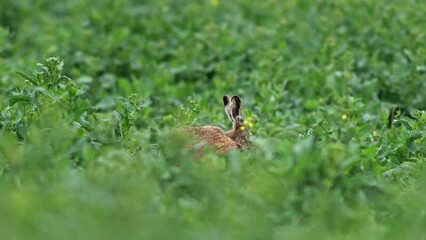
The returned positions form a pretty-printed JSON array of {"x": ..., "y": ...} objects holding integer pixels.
[{"x": 216, "y": 137}]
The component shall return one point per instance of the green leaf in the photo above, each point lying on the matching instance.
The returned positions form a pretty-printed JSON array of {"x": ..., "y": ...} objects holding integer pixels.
[
  {"x": 26, "y": 77},
  {"x": 16, "y": 99}
]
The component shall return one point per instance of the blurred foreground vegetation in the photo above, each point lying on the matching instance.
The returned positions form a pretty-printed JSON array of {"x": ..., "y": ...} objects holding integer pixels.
[{"x": 85, "y": 145}]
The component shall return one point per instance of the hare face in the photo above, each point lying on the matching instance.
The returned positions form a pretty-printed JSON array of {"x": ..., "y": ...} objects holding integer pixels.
[{"x": 239, "y": 134}]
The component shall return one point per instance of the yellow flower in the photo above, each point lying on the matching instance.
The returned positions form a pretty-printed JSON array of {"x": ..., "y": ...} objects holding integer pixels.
[
  {"x": 245, "y": 122},
  {"x": 242, "y": 128},
  {"x": 250, "y": 124},
  {"x": 214, "y": 2},
  {"x": 344, "y": 117}
]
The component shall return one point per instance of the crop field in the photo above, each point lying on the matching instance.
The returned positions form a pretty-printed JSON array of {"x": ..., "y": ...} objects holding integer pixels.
[{"x": 92, "y": 92}]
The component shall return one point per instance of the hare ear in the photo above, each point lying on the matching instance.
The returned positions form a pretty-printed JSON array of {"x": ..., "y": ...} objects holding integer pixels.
[
  {"x": 237, "y": 110},
  {"x": 227, "y": 103}
]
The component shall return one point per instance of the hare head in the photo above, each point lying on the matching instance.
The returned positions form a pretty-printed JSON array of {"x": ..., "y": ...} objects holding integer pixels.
[{"x": 234, "y": 111}]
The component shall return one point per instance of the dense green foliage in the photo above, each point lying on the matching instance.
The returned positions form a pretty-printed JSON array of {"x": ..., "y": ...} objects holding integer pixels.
[{"x": 86, "y": 150}]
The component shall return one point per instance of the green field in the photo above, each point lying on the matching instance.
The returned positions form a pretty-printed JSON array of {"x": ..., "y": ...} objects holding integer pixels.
[{"x": 90, "y": 91}]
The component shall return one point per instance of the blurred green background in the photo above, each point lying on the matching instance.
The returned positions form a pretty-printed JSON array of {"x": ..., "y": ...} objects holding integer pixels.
[{"x": 90, "y": 90}]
